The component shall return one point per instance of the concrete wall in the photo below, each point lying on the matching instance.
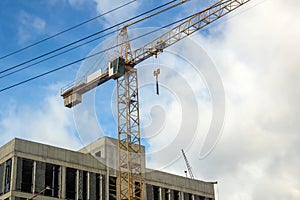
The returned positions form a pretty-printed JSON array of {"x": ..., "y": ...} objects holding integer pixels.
[
  {"x": 90, "y": 172},
  {"x": 174, "y": 182},
  {"x": 108, "y": 149},
  {"x": 55, "y": 155},
  {"x": 6, "y": 151}
]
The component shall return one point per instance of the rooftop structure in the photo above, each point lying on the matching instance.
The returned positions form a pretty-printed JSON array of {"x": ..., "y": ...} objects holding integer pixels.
[{"x": 28, "y": 168}]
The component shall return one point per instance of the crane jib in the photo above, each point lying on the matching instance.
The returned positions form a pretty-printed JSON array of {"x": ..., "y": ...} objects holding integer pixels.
[{"x": 116, "y": 67}]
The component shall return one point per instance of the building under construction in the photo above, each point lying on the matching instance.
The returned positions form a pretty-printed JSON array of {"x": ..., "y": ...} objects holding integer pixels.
[
  {"x": 108, "y": 168},
  {"x": 31, "y": 170}
]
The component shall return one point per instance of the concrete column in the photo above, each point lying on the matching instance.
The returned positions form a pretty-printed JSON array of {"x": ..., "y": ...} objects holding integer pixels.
[
  {"x": 107, "y": 185},
  {"x": 88, "y": 186},
  {"x": 171, "y": 194},
  {"x": 53, "y": 180},
  {"x": 161, "y": 193},
  {"x": 193, "y": 197},
  {"x": 63, "y": 171},
  {"x": 19, "y": 174},
  {"x": 13, "y": 174},
  {"x": 4, "y": 173},
  {"x": 33, "y": 177},
  {"x": 101, "y": 187},
  {"x": 181, "y": 195},
  {"x": 77, "y": 196},
  {"x": 2, "y": 178},
  {"x": 168, "y": 191},
  {"x": 59, "y": 182},
  {"x": 144, "y": 191}
]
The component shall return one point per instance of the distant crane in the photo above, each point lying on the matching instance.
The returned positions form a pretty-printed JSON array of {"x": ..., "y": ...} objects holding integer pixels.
[
  {"x": 188, "y": 165},
  {"x": 121, "y": 68}
]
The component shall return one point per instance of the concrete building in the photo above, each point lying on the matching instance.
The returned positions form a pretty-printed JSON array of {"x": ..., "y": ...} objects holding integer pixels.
[{"x": 27, "y": 168}]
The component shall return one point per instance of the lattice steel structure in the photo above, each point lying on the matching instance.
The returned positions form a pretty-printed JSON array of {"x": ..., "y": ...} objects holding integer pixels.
[
  {"x": 188, "y": 166},
  {"x": 129, "y": 144}
]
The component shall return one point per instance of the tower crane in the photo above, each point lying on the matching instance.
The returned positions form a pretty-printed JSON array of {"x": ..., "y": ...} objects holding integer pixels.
[
  {"x": 188, "y": 165},
  {"x": 122, "y": 69}
]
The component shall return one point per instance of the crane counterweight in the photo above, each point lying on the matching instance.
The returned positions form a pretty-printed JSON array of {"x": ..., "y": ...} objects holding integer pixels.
[{"x": 72, "y": 100}]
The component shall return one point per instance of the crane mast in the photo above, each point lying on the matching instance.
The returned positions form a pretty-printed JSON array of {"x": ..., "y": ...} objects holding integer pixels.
[
  {"x": 121, "y": 68},
  {"x": 129, "y": 143}
]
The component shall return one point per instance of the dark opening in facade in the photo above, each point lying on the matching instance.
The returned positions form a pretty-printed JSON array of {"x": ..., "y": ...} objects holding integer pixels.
[
  {"x": 166, "y": 194},
  {"x": 112, "y": 188},
  {"x": 202, "y": 198},
  {"x": 51, "y": 180},
  {"x": 188, "y": 196},
  {"x": 176, "y": 195},
  {"x": 98, "y": 154},
  {"x": 155, "y": 193},
  {"x": 71, "y": 183},
  {"x": 27, "y": 169},
  {"x": 92, "y": 185},
  {"x": 149, "y": 191},
  {"x": 7, "y": 176},
  {"x": 137, "y": 189},
  {"x": 82, "y": 185}
]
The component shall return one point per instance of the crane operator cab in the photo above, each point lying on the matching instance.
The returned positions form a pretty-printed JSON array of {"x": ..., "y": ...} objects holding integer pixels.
[{"x": 116, "y": 68}]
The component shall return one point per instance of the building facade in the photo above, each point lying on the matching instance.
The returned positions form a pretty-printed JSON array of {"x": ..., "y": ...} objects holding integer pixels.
[{"x": 32, "y": 169}]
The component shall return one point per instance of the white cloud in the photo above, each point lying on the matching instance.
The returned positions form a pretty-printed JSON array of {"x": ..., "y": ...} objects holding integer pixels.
[
  {"x": 77, "y": 3},
  {"x": 115, "y": 17},
  {"x": 46, "y": 122},
  {"x": 38, "y": 24},
  {"x": 256, "y": 53},
  {"x": 30, "y": 26}
]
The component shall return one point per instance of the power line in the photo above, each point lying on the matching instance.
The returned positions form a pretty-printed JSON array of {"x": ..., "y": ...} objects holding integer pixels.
[
  {"x": 66, "y": 30},
  {"x": 75, "y": 47},
  {"x": 55, "y": 55},
  {"x": 97, "y": 53},
  {"x": 84, "y": 38},
  {"x": 90, "y": 56}
]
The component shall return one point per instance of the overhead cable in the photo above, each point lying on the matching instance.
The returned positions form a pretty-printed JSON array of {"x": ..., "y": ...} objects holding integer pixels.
[
  {"x": 64, "y": 31},
  {"x": 97, "y": 53},
  {"x": 84, "y": 38},
  {"x": 90, "y": 56}
]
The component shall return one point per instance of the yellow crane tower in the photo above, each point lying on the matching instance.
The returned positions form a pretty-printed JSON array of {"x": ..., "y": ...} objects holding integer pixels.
[{"x": 122, "y": 69}]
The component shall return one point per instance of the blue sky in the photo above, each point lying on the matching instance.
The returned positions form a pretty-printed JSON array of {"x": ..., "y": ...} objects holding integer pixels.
[
  {"x": 254, "y": 55},
  {"x": 28, "y": 22}
]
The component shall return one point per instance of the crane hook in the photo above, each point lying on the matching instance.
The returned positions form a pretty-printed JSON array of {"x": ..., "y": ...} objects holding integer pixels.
[{"x": 156, "y": 73}]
